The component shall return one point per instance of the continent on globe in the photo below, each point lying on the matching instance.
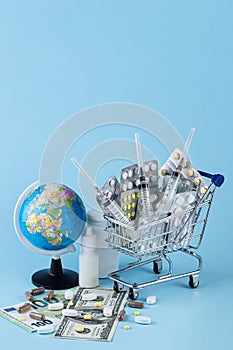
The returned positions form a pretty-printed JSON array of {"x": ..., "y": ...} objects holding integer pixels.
[{"x": 52, "y": 217}]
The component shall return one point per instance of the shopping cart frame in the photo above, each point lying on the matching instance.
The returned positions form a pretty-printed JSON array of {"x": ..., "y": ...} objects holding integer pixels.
[{"x": 172, "y": 240}]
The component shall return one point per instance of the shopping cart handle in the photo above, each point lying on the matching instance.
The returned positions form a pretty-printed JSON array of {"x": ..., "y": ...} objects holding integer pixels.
[{"x": 217, "y": 179}]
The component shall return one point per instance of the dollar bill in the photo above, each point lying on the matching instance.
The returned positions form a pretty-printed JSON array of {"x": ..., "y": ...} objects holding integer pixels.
[
  {"x": 96, "y": 326},
  {"x": 39, "y": 305}
]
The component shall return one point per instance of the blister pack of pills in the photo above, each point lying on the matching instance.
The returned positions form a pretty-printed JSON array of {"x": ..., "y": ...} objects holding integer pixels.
[{"x": 130, "y": 182}]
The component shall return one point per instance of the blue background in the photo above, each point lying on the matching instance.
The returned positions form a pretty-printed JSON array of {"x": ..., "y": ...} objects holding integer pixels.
[{"x": 175, "y": 57}]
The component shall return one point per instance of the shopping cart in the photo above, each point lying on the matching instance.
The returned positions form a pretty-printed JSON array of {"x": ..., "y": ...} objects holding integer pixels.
[{"x": 181, "y": 232}]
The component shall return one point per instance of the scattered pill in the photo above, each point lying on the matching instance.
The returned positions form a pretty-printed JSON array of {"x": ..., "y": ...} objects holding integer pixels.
[
  {"x": 56, "y": 306},
  {"x": 46, "y": 329},
  {"x": 70, "y": 312},
  {"x": 136, "y": 304},
  {"x": 151, "y": 299},
  {"x": 50, "y": 294},
  {"x": 37, "y": 291},
  {"x": 87, "y": 317},
  {"x": 137, "y": 313},
  {"x": 80, "y": 329},
  {"x": 107, "y": 311},
  {"x": 24, "y": 308},
  {"x": 29, "y": 296},
  {"x": 22, "y": 319},
  {"x": 121, "y": 315},
  {"x": 98, "y": 304},
  {"x": 37, "y": 316},
  {"x": 69, "y": 294},
  {"x": 143, "y": 319},
  {"x": 89, "y": 296},
  {"x": 127, "y": 327}
]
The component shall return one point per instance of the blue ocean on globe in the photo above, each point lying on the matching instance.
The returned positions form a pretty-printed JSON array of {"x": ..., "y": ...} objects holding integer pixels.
[{"x": 52, "y": 217}]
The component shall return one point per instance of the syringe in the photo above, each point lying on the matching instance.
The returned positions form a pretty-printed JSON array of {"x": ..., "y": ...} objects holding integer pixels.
[
  {"x": 109, "y": 204},
  {"x": 143, "y": 184},
  {"x": 173, "y": 182}
]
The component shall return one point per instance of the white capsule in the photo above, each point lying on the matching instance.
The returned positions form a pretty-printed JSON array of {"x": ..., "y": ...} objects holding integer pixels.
[
  {"x": 130, "y": 185},
  {"x": 142, "y": 319},
  {"x": 153, "y": 178},
  {"x": 190, "y": 199},
  {"x": 124, "y": 175},
  {"x": 130, "y": 173},
  {"x": 146, "y": 168},
  {"x": 46, "y": 329},
  {"x": 69, "y": 294},
  {"x": 55, "y": 306},
  {"x": 179, "y": 200},
  {"x": 89, "y": 296},
  {"x": 153, "y": 166},
  {"x": 151, "y": 299},
  {"x": 70, "y": 312},
  {"x": 124, "y": 187}
]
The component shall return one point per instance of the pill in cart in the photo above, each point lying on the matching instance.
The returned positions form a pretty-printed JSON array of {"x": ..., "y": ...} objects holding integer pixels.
[
  {"x": 142, "y": 319},
  {"x": 37, "y": 291},
  {"x": 46, "y": 329},
  {"x": 69, "y": 294},
  {"x": 151, "y": 299},
  {"x": 56, "y": 306},
  {"x": 70, "y": 312},
  {"x": 24, "y": 308},
  {"x": 37, "y": 316},
  {"x": 29, "y": 296},
  {"x": 50, "y": 294},
  {"x": 87, "y": 317},
  {"x": 136, "y": 304},
  {"x": 89, "y": 296},
  {"x": 80, "y": 329},
  {"x": 121, "y": 315}
]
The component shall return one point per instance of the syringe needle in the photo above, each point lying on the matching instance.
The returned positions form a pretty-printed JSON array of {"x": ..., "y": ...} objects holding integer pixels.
[
  {"x": 87, "y": 176},
  {"x": 138, "y": 150},
  {"x": 188, "y": 142}
]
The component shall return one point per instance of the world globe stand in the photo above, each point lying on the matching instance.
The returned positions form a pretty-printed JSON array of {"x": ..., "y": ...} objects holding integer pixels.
[{"x": 55, "y": 277}]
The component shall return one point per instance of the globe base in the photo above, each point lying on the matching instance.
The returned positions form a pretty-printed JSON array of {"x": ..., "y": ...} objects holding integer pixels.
[{"x": 55, "y": 278}]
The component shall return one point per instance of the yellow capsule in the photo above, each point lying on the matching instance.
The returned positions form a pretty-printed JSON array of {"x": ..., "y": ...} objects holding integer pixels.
[
  {"x": 133, "y": 195},
  {"x": 126, "y": 327},
  {"x": 203, "y": 190},
  {"x": 70, "y": 303},
  {"x": 138, "y": 195},
  {"x": 129, "y": 197},
  {"x": 129, "y": 206},
  {"x": 124, "y": 199},
  {"x": 124, "y": 207},
  {"x": 197, "y": 180},
  {"x": 176, "y": 155},
  {"x": 186, "y": 164},
  {"x": 80, "y": 329},
  {"x": 132, "y": 213},
  {"x": 98, "y": 304},
  {"x": 128, "y": 215},
  {"x": 190, "y": 172},
  {"x": 87, "y": 317},
  {"x": 133, "y": 205}
]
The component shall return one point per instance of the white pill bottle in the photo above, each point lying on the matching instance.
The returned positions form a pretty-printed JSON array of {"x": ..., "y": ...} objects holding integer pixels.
[
  {"x": 88, "y": 261},
  {"x": 108, "y": 257}
]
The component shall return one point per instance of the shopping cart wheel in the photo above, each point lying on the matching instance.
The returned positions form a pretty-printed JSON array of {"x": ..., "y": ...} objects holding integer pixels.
[
  {"x": 133, "y": 293},
  {"x": 157, "y": 266},
  {"x": 193, "y": 281}
]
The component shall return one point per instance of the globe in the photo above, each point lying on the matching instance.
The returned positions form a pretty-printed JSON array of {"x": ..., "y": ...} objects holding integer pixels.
[{"x": 49, "y": 219}]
